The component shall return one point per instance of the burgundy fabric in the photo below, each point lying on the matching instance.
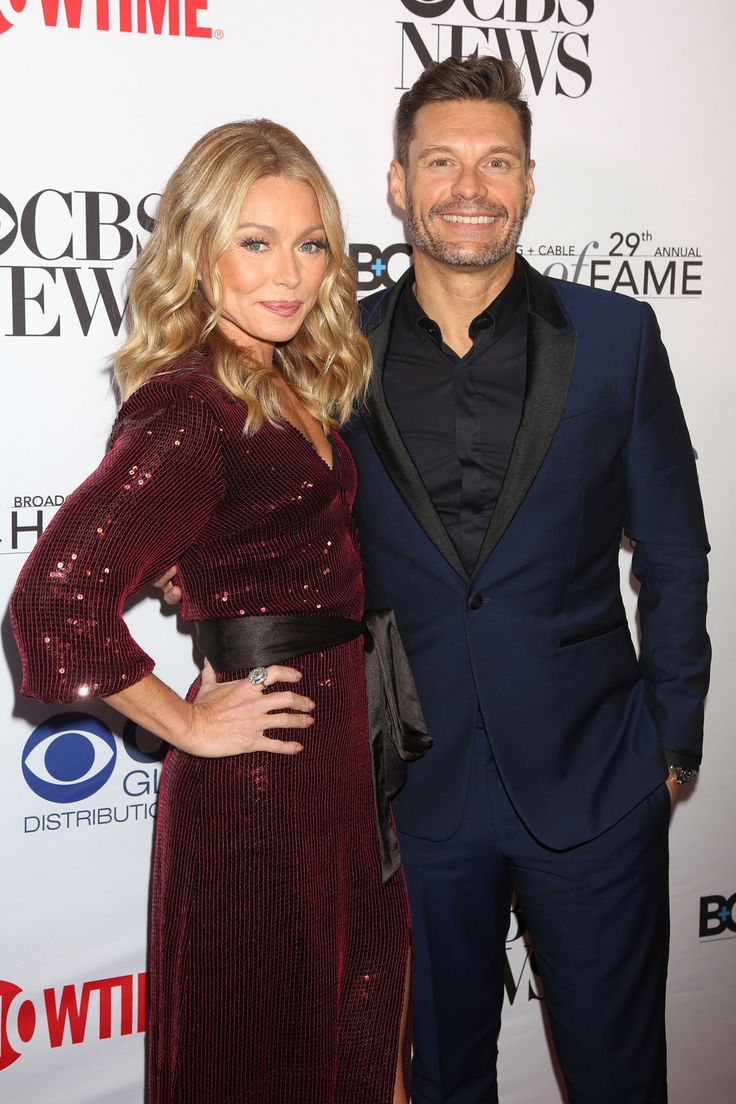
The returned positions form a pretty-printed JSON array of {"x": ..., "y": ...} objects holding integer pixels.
[{"x": 277, "y": 957}]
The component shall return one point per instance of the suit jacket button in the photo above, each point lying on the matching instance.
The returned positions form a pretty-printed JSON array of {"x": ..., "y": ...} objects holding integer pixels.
[{"x": 475, "y": 601}]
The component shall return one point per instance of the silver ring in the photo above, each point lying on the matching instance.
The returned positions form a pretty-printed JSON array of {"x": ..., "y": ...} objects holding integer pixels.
[{"x": 258, "y": 676}]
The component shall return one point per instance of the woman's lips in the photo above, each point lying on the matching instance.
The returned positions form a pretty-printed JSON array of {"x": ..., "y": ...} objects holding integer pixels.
[{"x": 285, "y": 307}]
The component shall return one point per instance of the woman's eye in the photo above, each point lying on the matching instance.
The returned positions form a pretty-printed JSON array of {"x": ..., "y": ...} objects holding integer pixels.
[
  {"x": 314, "y": 246},
  {"x": 254, "y": 245}
]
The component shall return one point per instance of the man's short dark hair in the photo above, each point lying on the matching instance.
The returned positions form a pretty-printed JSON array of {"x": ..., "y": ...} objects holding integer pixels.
[{"x": 477, "y": 78}]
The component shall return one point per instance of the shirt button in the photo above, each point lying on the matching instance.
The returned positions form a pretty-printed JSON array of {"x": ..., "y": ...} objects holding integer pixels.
[{"x": 475, "y": 601}]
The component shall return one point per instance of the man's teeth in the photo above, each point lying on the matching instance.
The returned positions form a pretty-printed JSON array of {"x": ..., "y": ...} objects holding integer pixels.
[{"x": 472, "y": 220}]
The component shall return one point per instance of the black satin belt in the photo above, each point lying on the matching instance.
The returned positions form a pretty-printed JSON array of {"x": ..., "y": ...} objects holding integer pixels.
[{"x": 396, "y": 725}]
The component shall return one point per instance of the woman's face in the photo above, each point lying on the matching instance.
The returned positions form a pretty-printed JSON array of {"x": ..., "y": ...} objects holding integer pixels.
[{"x": 272, "y": 272}]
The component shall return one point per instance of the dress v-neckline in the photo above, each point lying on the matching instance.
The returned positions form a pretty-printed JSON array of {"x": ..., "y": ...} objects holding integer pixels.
[{"x": 313, "y": 448}]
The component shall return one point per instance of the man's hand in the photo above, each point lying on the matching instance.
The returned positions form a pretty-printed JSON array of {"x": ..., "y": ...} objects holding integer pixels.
[
  {"x": 672, "y": 786},
  {"x": 172, "y": 593}
]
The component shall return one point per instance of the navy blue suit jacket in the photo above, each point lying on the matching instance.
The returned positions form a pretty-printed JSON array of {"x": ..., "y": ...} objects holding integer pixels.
[{"x": 581, "y": 728}]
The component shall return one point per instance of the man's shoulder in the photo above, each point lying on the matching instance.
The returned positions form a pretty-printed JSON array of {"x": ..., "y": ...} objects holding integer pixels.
[
  {"x": 587, "y": 305},
  {"x": 369, "y": 304}
]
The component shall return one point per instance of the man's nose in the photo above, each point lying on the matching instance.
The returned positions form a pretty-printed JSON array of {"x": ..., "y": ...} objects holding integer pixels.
[{"x": 469, "y": 182}]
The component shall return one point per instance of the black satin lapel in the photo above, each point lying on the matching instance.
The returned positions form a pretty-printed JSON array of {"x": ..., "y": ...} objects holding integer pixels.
[
  {"x": 389, "y": 445},
  {"x": 550, "y": 356}
]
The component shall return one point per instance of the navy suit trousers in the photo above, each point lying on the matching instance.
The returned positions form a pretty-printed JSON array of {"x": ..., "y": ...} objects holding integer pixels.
[{"x": 598, "y": 916}]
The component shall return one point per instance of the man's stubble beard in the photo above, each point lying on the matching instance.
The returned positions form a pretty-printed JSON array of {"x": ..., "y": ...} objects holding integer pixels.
[{"x": 466, "y": 256}]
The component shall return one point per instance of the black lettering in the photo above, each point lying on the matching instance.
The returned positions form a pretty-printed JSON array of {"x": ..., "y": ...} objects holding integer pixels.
[
  {"x": 587, "y": 5},
  {"x": 625, "y": 278},
  {"x": 410, "y": 34},
  {"x": 29, "y": 225},
  {"x": 615, "y": 249},
  {"x": 522, "y": 11},
  {"x": 688, "y": 277},
  {"x": 512, "y": 984},
  {"x": 146, "y": 220},
  {"x": 530, "y": 55},
  {"x": 15, "y": 528},
  {"x": 7, "y": 239},
  {"x": 517, "y": 926},
  {"x": 94, "y": 223},
  {"x": 458, "y": 48},
  {"x": 730, "y": 922},
  {"x": 428, "y": 9},
  {"x": 472, "y": 7},
  {"x": 595, "y": 279},
  {"x": 532, "y": 993},
  {"x": 711, "y": 923},
  {"x": 19, "y": 297},
  {"x": 400, "y": 249},
  {"x": 104, "y": 293},
  {"x": 650, "y": 277},
  {"x": 573, "y": 65},
  {"x": 373, "y": 268}
]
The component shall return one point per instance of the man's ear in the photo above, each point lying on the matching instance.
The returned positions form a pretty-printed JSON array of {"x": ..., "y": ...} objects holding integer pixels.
[
  {"x": 530, "y": 189},
  {"x": 397, "y": 185}
]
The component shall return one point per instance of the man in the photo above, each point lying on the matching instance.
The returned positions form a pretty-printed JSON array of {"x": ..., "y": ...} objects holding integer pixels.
[{"x": 515, "y": 426}]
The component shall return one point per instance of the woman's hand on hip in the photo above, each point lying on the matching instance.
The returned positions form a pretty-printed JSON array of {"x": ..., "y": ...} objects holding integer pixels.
[{"x": 231, "y": 718}]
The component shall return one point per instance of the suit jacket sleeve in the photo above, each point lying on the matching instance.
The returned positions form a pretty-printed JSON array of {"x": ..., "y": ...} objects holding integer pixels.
[{"x": 664, "y": 517}]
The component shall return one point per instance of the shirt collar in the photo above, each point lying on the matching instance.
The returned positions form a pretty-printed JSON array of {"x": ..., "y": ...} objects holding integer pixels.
[{"x": 497, "y": 317}]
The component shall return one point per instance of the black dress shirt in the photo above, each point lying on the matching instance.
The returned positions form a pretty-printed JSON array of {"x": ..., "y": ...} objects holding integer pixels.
[{"x": 458, "y": 416}]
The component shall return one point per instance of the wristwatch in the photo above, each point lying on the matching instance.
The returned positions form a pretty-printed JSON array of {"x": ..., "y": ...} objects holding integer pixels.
[{"x": 684, "y": 774}]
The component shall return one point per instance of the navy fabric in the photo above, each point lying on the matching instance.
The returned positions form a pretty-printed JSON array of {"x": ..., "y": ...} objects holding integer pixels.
[
  {"x": 581, "y": 729},
  {"x": 598, "y": 918},
  {"x": 563, "y": 799}
]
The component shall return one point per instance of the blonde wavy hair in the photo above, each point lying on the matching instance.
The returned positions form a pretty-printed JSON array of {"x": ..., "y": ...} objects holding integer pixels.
[{"x": 327, "y": 363}]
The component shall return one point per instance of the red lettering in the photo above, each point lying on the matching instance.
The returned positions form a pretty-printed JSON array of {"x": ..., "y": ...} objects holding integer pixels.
[
  {"x": 142, "y": 1001},
  {"x": 73, "y": 9},
  {"x": 157, "y": 8},
  {"x": 67, "y": 1010},
  {"x": 105, "y": 988},
  {"x": 70, "y": 1011},
  {"x": 192, "y": 29}
]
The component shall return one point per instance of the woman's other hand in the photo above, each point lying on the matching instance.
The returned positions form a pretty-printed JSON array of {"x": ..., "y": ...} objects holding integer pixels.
[{"x": 165, "y": 582}]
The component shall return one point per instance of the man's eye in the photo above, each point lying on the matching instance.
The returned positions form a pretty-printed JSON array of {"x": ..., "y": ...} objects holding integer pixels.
[
  {"x": 498, "y": 163},
  {"x": 441, "y": 162}
]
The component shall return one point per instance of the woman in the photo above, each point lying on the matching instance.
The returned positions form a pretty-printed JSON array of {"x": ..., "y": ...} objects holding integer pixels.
[{"x": 279, "y": 960}]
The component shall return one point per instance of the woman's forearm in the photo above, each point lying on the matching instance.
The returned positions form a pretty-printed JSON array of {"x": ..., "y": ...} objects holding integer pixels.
[
  {"x": 228, "y": 718},
  {"x": 156, "y": 707}
]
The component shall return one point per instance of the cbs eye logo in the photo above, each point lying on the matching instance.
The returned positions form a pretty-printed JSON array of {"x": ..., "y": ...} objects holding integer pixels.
[{"x": 69, "y": 757}]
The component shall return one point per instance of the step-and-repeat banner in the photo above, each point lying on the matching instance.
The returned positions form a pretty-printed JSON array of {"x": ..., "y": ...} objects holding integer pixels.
[{"x": 100, "y": 99}]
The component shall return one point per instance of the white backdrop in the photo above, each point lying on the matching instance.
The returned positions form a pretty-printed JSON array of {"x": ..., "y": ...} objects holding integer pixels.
[{"x": 99, "y": 102}]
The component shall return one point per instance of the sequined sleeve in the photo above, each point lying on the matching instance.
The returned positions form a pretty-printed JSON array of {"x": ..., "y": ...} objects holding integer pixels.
[{"x": 147, "y": 502}]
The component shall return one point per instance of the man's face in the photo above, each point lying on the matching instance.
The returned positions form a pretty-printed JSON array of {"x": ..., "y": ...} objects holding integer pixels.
[{"x": 467, "y": 185}]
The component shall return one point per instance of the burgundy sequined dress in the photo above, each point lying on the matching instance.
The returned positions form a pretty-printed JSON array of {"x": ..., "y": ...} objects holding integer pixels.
[{"x": 277, "y": 957}]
